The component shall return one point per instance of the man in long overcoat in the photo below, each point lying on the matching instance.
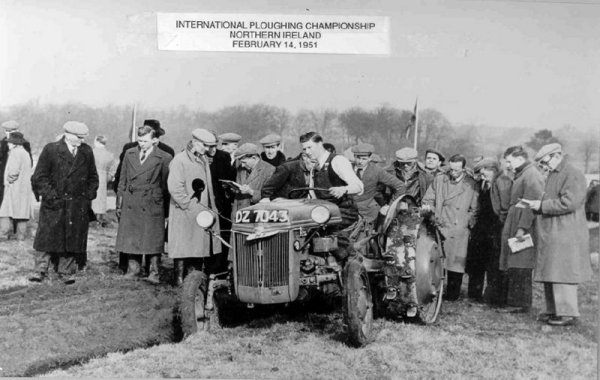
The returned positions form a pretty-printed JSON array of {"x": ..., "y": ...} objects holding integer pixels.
[
  {"x": 9, "y": 127},
  {"x": 66, "y": 179},
  {"x": 563, "y": 256},
  {"x": 105, "y": 161},
  {"x": 454, "y": 200},
  {"x": 140, "y": 204},
  {"x": 528, "y": 183},
  {"x": 374, "y": 179},
  {"x": 15, "y": 210},
  {"x": 190, "y": 245}
]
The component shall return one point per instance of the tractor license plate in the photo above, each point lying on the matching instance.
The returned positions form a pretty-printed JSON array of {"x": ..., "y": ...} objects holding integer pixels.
[{"x": 262, "y": 216}]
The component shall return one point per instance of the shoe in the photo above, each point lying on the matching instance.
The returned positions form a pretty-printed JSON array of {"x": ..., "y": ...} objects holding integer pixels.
[
  {"x": 67, "y": 279},
  {"x": 545, "y": 317},
  {"x": 37, "y": 277},
  {"x": 513, "y": 310},
  {"x": 411, "y": 312},
  {"x": 153, "y": 278},
  {"x": 562, "y": 321}
]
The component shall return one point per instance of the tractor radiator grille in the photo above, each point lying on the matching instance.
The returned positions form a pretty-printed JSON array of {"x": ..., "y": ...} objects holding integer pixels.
[{"x": 263, "y": 262}]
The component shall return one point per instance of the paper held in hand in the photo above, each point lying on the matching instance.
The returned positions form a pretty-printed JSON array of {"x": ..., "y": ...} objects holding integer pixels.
[
  {"x": 517, "y": 246},
  {"x": 232, "y": 184}
]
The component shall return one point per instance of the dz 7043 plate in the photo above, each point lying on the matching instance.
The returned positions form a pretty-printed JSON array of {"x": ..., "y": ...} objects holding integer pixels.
[{"x": 262, "y": 216}]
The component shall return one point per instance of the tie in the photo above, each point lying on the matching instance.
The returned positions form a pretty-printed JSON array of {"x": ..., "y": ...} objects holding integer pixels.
[
  {"x": 359, "y": 173},
  {"x": 143, "y": 156},
  {"x": 74, "y": 151}
]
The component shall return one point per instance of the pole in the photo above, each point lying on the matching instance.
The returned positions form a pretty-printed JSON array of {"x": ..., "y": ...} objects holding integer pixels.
[
  {"x": 133, "y": 131},
  {"x": 416, "y": 111}
]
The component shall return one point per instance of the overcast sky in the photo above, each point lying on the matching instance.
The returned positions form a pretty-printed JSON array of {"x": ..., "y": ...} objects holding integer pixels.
[{"x": 505, "y": 63}]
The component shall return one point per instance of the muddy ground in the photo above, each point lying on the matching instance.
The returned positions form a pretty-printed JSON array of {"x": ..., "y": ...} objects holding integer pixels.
[{"x": 104, "y": 326}]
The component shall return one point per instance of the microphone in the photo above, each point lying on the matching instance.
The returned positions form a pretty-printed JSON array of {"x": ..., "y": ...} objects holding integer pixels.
[{"x": 198, "y": 186}]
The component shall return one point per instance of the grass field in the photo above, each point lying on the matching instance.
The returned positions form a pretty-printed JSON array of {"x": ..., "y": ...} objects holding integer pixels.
[{"x": 91, "y": 329}]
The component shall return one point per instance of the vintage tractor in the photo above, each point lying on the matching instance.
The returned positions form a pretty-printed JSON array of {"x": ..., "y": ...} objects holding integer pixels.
[{"x": 282, "y": 252}]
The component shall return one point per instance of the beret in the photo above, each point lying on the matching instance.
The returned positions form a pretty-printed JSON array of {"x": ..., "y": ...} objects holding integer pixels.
[
  {"x": 271, "y": 139},
  {"x": 204, "y": 136},
  {"x": 406, "y": 154},
  {"x": 155, "y": 124},
  {"x": 76, "y": 128},
  {"x": 230, "y": 137},
  {"x": 363, "y": 148},
  {"x": 434, "y": 151},
  {"x": 546, "y": 150},
  {"x": 486, "y": 162},
  {"x": 10, "y": 125},
  {"x": 247, "y": 149}
]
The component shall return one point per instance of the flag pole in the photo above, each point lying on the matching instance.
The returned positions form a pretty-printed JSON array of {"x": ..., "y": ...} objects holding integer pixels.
[
  {"x": 416, "y": 111},
  {"x": 133, "y": 131}
]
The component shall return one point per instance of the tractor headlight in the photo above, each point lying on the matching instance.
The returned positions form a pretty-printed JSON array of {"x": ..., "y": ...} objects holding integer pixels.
[
  {"x": 320, "y": 214},
  {"x": 206, "y": 219}
]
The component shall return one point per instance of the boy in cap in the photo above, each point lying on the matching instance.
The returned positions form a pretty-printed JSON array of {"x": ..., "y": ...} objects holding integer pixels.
[
  {"x": 374, "y": 179},
  {"x": 563, "y": 259},
  {"x": 272, "y": 153},
  {"x": 66, "y": 179},
  {"x": 189, "y": 244}
]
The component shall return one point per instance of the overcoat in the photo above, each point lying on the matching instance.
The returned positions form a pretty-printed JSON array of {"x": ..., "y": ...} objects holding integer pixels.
[
  {"x": 17, "y": 185},
  {"x": 186, "y": 237},
  {"x": 4, "y": 159},
  {"x": 371, "y": 177},
  {"x": 259, "y": 175},
  {"x": 500, "y": 195},
  {"x": 416, "y": 186},
  {"x": 221, "y": 168},
  {"x": 142, "y": 188},
  {"x": 105, "y": 167},
  {"x": 288, "y": 176},
  {"x": 527, "y": 184},
  {"x": 67, "y": 186},
  {"x": 563, "y": 254},
  {"x": 456, "y": 208}
]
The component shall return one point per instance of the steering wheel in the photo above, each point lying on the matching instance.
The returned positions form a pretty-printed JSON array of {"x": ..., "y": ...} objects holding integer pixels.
[{"x": 307, "y": 189}]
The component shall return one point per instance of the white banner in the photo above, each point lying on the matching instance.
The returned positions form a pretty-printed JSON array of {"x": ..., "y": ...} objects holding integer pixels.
[{"x": 265, "y": 33}]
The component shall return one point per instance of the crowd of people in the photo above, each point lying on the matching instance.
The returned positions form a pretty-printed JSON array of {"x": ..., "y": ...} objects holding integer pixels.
[{"x": 505, "y": 223}]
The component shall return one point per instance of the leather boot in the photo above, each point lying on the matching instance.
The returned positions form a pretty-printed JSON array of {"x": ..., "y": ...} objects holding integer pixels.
[
  {"x": 454, "y": 284},
  {"x": 133, "y": 268},
  {"x": 178, "y": 271},
  {"x": 153, "y": 270}
]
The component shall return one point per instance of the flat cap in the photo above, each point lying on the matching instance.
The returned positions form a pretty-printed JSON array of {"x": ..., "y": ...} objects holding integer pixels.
[
  {"x": 406, "y": 155},
  {"x": 363, "y": 148},
  {"x": 155, "y": 124},
  {"x": 76, "y": 128},
  {"x": 16, "y": 138},
  {"x": 247, "y": 149},
  {"x": 435, "y": 151},
  {"x": 546, "y": 150},
  {"x": 10, "y": 125},
  {"x": 205, "y": 136},
  {"x": 271, "y": 139},
  {"x": 230, "y": 137},
  {"x": 376, "y": 158},
  {"x": 486, "y": 162}
]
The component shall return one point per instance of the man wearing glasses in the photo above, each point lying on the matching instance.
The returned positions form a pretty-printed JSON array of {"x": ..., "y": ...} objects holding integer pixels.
[{"x": 563, "y": 259}]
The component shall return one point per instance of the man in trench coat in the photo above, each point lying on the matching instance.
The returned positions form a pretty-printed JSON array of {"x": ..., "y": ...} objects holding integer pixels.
[
  {"x": 140, "y": 204},
  {"x": 105, "y": 161},
  {"x": 563, "y": 256},
  {"x": 66, "y": 179},
  {"x": 190, "y": 245},
  {"x": 454, "y": 199},
  {"x": 528, "y": 183}
]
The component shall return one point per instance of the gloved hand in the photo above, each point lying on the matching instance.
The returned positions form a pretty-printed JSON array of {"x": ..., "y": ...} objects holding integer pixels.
[
  {"x": 520, "y": 234},
  {"x": 119, "y": 205}
]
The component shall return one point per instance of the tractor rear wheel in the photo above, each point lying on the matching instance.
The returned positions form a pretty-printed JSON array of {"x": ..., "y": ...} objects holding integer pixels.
[{"x": 358, "y": 303}]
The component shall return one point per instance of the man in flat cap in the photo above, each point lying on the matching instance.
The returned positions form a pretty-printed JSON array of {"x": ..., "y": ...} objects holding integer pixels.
[
  {"x": 290, "y": 175},
  {"x": 374, "y": 180},
  {"x": 259, "y": 171},
  {"x": 483, "y": 256},
  {"x": 9, "y": 127},
  {"x": 271, "y": 150},
  {"x": 229, "y": 144},
  {"x": 158, "y": 131},
  {"x": 410, "y": 173},
  {"x": 66, "y": 179},
  {"x": 453, "y": 198},
  {"x": 334, "y": 173},
  {"x": 190, "y": 246},
  {"x": 140, "y": 203},
  {"x": 434, "y": 159},
  {"x": 563, "y": 258}
]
